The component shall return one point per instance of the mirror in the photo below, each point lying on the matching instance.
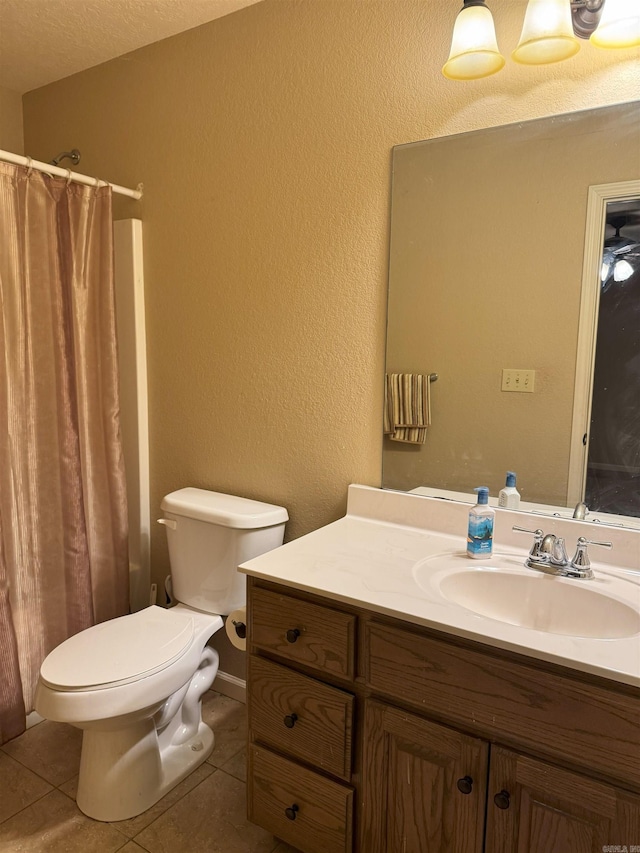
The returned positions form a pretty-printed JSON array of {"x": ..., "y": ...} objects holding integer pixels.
[{"x": 486, "y": 274}]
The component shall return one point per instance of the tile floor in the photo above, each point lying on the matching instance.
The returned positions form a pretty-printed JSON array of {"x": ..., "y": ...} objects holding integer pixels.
[{"x": 205, "y": 813}]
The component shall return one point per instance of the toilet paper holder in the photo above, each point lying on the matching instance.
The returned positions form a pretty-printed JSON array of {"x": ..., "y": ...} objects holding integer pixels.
[
  {"x": 241, "y": 628},
  {"x": 236, "y": 628}
]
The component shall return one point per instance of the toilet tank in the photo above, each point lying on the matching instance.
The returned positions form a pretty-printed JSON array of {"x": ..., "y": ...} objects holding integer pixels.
[{"x": 209, "y": 535}]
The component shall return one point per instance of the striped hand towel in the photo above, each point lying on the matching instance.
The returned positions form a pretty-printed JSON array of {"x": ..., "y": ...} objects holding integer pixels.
[{"x": 407, "y": 407}]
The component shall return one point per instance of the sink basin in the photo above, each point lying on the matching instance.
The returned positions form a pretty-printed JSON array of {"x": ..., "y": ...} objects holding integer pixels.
[
  {"x": 605, "y": 608},
  {"x": 534, "y": 600}
]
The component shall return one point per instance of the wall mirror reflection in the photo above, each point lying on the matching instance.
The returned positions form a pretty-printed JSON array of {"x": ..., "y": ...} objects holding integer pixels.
[{"x": 498, "y": 240}]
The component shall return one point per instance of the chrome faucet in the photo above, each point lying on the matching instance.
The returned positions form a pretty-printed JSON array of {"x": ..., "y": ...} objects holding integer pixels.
[
  {"x": 581, "y": 510},
  {"x": 548, "y": 554}
]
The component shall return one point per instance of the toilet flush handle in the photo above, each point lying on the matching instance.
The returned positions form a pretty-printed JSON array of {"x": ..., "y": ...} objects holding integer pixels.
[{"x": 168, "y": 522}]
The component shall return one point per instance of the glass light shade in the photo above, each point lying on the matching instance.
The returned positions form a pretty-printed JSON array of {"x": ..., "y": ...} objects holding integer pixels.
[
  {"x": 474, "y": 48},
  {"x": 622, "y": 270},
  {"x": 547, "y": 33},
  {"x": 619, "y": 25}
]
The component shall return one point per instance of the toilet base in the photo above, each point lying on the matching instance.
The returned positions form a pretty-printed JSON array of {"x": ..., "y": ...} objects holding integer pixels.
[
  {"x": 127, "y": 765},
  {"x": 123, "y": 773}
]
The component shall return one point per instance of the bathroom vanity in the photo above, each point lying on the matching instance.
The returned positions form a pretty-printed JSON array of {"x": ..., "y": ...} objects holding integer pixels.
[{"x": 386, "y": 718}]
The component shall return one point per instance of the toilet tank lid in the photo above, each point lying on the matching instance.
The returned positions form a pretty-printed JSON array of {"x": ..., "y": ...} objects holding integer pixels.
[{"x": 225, "y": 510}]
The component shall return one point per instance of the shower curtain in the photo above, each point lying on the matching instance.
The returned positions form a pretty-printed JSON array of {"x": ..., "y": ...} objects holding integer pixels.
[{"x": 63, "y": 512}]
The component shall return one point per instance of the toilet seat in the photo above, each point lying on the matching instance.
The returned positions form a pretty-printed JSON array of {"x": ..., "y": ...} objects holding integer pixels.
[{"x": 119, "y": 651}]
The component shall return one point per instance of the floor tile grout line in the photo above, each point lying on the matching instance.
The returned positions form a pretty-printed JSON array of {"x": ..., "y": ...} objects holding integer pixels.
[
  {"x": 180, "y": 798},
  {"x": 36, "y": 772},
  {"x": 39, "y": 775},
  {"x": 30, "y": 769},
  {"x": 73, "y": 800},
  {"x": 173, "y": 805},
  {"x": 231, "y": 757},
  {"x": 129, "y": 840},
  {"x": 28, "y": 805}
]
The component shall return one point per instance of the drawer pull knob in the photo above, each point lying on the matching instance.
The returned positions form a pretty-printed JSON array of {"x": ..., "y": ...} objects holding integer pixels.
[
  {"x": 290, "y": 720},
  {"x": 502, "y": 799},
  {"x": 465, "y": 784},
  {"x": 293, "y": 634},
  {"x": 291, "y": 812}
]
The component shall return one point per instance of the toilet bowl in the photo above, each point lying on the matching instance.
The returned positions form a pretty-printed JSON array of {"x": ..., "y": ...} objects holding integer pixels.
[
  {"x": 140, "y": 713},
  {"x": 134, "y": 684}
]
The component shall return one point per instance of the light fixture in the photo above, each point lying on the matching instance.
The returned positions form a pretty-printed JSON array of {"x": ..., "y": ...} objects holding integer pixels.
[
  {"x": 474, "y": 47},
  {"x": 622, "y": 270},
  {"x": 619, "y": 25},
  {"x": 618, "y": 254},
  {"x": 614, "y": 270},
  {"x": 547, "y": 33},
  {"x": 550, "y": 33}
]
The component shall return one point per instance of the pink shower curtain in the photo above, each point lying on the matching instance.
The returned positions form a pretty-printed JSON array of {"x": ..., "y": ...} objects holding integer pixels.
[{"x": 63, "y": 512}]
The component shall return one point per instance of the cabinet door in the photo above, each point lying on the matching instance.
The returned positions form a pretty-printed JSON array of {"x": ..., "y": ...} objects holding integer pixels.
[
  {"x": 534, "y": 807},
  {"x": 424, "y": 785}
]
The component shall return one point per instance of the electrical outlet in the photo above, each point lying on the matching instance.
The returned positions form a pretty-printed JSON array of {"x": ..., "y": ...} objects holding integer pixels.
[{"x": 518, "y": 380}]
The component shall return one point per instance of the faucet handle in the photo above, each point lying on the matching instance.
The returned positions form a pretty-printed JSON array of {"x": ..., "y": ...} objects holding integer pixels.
[
  {"x": 608, "y": 545},
  {"x": 581, "y": 564},
  {"x": 536, "y": 552},
  {"x": 535, "y": 533}
]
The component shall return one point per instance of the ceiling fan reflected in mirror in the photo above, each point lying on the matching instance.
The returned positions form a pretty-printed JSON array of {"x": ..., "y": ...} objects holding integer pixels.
[{"x": 621, "y": 254}]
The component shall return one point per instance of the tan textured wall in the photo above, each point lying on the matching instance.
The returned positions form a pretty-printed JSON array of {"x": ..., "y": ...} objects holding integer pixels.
[
  {"x": 263, "y": 140},
  {"x": 11, "y": 136}
]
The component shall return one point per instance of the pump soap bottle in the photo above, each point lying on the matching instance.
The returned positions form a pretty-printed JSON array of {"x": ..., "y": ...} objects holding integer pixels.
[
  {"x": 480, "y": 534},
  {"x": 509, "y": 496}
]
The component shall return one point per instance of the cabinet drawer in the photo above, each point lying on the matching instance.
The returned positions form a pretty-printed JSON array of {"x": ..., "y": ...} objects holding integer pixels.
[
  {"x": 301, "y": 807},
  {"x": 310, "y": 634},
  {"x": 300, "y": 716},
  {"x": 585, "y": 724}
]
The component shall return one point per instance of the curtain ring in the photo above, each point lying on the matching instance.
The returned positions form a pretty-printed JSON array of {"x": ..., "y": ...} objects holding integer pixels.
[
  {"x": 29, "y": 166},
  {"x": 68, "y": 176}
]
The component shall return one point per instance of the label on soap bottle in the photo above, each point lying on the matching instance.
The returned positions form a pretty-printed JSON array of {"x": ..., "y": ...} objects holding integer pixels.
[{"x": 480, "y": 536}]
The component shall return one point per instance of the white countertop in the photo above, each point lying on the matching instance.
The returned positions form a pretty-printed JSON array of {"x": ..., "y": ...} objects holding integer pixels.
[{"x": 383, "y": 566}]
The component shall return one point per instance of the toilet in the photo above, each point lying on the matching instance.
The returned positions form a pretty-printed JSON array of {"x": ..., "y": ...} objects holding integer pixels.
[{"x": 134, "y": 684}]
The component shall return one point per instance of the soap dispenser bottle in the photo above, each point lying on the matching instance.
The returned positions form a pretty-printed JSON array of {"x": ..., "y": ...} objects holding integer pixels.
[
  {"x": 480, "y": 532},
  {"x": 509, "y": 496}
]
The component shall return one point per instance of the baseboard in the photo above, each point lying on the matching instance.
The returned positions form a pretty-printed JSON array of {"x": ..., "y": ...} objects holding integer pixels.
[
  {"x": 33, "y": 719},
  {"x": 231, "y": 685}
]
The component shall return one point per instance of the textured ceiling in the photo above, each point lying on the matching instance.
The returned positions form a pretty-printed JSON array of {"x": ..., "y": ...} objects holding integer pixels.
[{"x": 45, "y": 40}]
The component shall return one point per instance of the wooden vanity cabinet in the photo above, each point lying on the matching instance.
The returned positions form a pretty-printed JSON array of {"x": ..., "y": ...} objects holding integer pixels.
[{"x": 410, "y": 741}]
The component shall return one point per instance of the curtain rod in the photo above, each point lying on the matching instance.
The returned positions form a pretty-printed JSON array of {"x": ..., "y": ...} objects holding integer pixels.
[{"x": 39, "y": 166}]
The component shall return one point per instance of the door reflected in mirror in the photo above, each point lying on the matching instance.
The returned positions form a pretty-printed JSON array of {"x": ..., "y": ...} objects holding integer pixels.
[
  {"x": 613, "y": 437},
  {"x": 487, "y": 262}
]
